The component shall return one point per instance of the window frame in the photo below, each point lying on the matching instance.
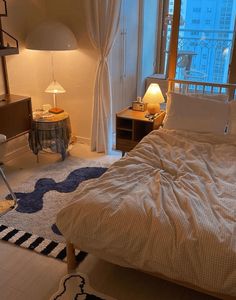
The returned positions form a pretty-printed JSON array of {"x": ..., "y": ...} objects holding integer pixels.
[
  {"x": 161, "y": 36},
  {"x": 172, "y": 57}
]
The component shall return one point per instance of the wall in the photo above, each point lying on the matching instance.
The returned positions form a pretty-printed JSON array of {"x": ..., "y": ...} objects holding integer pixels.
[{"x": 30, "y": 71}]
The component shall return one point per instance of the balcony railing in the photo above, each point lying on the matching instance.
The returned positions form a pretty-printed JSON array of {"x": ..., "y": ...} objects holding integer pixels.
[{"x": 203, "y": 55}]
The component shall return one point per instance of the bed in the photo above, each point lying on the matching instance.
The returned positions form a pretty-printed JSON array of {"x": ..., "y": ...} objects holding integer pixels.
[{"x": 168, "y": 207}]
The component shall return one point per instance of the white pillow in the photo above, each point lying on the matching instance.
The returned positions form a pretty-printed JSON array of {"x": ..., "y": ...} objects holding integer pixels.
[
  {"x": 232, "y": 117},
  {"x": 196, "y": 114}
]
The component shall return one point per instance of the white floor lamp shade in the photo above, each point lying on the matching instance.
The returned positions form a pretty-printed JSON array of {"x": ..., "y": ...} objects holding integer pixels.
[{"x": 51, "y": 36}]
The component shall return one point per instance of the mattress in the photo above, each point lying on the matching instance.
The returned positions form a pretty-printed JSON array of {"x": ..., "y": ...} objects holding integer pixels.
[{"x": 167, "y": 207}]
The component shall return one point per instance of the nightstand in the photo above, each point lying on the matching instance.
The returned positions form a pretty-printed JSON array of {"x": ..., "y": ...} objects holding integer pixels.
[
  {"x": 132, "y": 126},
  {"x": 51, "y": 132}
]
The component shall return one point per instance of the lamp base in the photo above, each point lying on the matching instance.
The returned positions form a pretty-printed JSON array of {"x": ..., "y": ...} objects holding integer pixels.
[
  {"x": 153, "y": 108},
  {"x": 56, "y": 110}
]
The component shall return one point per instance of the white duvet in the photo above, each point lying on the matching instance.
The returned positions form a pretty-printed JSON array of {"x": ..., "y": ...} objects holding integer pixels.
[{"x": 168, "y": 207}]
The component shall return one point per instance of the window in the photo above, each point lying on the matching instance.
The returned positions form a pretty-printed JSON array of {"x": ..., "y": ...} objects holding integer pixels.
[
  {"x": 194, "y": 33},
  {"x": 205, "y": 43},
  {"x": 197, "y": 9}
]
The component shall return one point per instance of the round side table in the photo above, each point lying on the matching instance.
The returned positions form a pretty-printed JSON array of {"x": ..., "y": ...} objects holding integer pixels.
[{"x": 52, "y": 132}]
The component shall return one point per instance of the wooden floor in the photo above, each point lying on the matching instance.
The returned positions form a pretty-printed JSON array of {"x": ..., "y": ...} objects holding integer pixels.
[{"x": 25, "y": 275}]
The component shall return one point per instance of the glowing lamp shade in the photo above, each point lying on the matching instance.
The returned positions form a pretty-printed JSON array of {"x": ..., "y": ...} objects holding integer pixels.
[
  {"x": 55, "y": 88},
  {"x": 51, "y": 36},
  {"x": 153, "y": 97}
]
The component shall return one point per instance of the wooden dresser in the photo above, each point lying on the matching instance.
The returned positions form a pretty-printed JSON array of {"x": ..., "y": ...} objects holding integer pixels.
[{"x": 15, "y": 115}]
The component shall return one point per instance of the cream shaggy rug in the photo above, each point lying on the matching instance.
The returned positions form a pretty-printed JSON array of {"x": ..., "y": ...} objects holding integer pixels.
[{"x": 31, "y": 224}]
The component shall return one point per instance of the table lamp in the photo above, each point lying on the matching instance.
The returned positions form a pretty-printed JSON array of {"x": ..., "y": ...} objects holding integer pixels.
[
  {"x": 52, "y": 36},
  {"x": 153, "y": 97},
  {"x": 55, "y": 88}
]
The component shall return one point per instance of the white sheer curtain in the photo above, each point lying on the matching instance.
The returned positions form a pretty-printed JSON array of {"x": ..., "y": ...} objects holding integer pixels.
[{"x": 102, "y": 20}]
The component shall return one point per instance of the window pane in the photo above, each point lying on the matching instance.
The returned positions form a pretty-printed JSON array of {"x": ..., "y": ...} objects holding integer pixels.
[{"x": 205, "y": 39}]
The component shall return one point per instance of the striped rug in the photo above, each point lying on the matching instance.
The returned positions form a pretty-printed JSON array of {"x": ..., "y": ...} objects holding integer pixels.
[{"x": 36, "y": 243}]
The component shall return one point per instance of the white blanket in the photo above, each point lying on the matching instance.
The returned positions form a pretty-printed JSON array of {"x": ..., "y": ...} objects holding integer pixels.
[{"x": 169, "y": 207}]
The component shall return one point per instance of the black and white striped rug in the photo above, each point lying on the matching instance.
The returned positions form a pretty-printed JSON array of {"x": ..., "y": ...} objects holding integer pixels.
[{"x": 34, "y": 242}]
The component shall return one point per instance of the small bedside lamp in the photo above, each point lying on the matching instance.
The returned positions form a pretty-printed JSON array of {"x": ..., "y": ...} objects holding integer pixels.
[
  {"x": 55, "y": 88},
  {"x": 153, "y": 97}
]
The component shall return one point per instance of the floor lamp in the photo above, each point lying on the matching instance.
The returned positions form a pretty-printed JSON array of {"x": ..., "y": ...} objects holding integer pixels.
[{"x": 52, "y": 36}]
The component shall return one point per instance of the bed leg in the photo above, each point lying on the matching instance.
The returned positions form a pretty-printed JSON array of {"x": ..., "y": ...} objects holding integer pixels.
[{"x": 71, "y": 259}]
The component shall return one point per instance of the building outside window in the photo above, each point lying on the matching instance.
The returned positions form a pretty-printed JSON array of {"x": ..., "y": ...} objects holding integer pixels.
[{"x": 206, "y": 37}]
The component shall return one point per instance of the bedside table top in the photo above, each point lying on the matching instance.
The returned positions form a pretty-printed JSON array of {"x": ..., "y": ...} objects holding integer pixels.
[
  {"x": 51, "y": 117},
  {"x": 128, "y": 113}
]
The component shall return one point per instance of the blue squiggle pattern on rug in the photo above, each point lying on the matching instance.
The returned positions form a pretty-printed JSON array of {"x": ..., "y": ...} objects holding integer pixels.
[{"x": 33, "y": 201}]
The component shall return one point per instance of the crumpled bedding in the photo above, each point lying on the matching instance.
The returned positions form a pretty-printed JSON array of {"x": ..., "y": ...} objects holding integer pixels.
[{"x": 168, "y": 207}]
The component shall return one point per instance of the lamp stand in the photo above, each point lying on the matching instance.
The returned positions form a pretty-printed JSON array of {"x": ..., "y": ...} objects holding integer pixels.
[
  {"x": 54, "y": 88},
  {"x": 55, "y": 109},
  {"x": 54, "y": 100},
  {"x": 153, "y": 108}
]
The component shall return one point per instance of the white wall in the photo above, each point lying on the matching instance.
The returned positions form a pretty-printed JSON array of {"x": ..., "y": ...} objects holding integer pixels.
[{"x": 30, "y": 71}]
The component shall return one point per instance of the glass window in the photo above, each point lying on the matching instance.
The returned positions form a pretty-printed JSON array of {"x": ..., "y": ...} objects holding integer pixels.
[
  {"x": 195, "y": 21},
  {"x": 197, "y": 9},
  {"x": 205, "y": 42}
]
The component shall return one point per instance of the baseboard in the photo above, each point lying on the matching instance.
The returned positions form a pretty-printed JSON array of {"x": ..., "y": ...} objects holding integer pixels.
[
  {"x": 14, "y": 154},
  {"x": 16, "y": 147},
  {"x": 87, "y": 141},
  {"x": 83, "y": 140}
]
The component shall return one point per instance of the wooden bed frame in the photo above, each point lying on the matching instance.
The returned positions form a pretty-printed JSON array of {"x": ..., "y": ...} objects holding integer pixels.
[
  {"x": 180, "y": 86},
  {"x": 204, "y": 88}
]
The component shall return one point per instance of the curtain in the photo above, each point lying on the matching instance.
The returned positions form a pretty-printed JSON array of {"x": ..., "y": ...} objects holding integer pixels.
[{"x": 102, "y": 22}]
